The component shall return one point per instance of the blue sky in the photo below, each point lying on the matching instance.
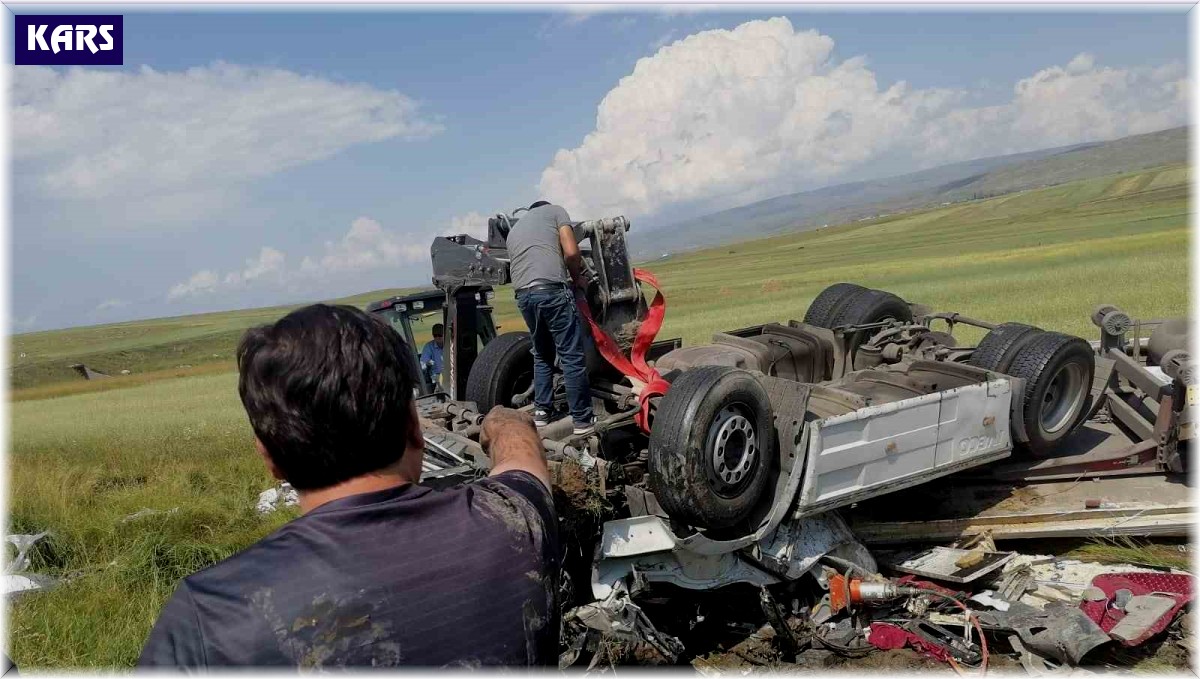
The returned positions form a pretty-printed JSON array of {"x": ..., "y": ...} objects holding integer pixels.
[{"x": 395, "y": 126}]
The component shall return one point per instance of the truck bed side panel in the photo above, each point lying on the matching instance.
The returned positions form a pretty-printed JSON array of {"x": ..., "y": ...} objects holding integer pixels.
[{"x": 882, "y": 448}]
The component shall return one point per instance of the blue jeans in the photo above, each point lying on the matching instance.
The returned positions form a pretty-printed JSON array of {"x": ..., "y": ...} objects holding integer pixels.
[{"x": 557, "y": 329}]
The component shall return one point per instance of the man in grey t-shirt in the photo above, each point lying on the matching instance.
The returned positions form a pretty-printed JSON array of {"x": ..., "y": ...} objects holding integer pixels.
[{"x": 545, "y": 261}]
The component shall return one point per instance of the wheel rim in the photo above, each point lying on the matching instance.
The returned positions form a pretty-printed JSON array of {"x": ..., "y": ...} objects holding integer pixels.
[
  {"x": 733, "y": 451},
  {"x": 517, "y": 386},
  {"x": 1063, "y": 398},
  {"x": 523, "y": 383}
]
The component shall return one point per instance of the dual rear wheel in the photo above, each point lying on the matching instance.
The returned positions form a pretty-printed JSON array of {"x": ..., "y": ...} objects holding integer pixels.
[
  {"x": 1057, "y": 370},
  {"x": 846, "y": 304}
]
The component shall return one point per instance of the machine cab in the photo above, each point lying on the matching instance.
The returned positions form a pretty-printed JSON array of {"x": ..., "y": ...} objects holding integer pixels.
[{"x": 414, "y": 315}]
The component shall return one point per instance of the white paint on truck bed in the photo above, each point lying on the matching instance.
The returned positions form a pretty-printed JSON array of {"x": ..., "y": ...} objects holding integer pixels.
[{"x": 882, "y": 448}]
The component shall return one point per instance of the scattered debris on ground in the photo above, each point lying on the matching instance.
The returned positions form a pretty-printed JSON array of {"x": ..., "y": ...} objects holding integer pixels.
[
  {"x": 86, "y": 372},
  {"x": 968, "y": 607},
  {"x": 17, "y": 577},
  {"x": 282, "y": 495}
]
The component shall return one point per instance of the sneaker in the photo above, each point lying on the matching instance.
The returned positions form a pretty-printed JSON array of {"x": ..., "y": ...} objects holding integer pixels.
[
  {"x": 541, "y": 417},
  {"x": 585, "y": 429}
]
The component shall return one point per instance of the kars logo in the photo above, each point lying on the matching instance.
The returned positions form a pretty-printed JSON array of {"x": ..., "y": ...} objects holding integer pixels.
[{"x": 68, "y": 40}]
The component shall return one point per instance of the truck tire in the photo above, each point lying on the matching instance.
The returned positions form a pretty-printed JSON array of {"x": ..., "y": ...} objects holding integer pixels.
[
  {"x": 712, "y": 447},
  {"x": 997, "y": 349},
  {"x": 1057, "y": 370},
  {"x": 869, "y": 306},
  {"x": 1170, "y": 335},
  {"x": 826, "y": 304},
  {"x": 503, "y": 369}
]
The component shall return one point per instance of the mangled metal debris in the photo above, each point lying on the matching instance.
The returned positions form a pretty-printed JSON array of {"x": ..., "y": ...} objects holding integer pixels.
[
  {"x": 954, "y": 565},
  {"x": 615, "y": 617},
  {"x": 17, "y": 577},
  {"x": 272, "y": 499}
]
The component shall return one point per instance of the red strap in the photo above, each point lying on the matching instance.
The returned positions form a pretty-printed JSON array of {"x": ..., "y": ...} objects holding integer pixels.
[{"x": 635, "y": 367}]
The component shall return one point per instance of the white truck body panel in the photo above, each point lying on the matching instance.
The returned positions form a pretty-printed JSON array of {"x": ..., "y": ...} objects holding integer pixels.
[{"x": 878, "y": 449}]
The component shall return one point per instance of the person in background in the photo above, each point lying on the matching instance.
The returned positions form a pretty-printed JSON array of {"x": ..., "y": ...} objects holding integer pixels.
[
  {"x": 544, "y": 262},
  {"x": 378, "y": 570},
  {"x": 431, "y": 354}
]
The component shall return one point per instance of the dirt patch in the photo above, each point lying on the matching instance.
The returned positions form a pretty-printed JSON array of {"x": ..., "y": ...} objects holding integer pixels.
[
  {"x": 725, "y": 292},
  {"x": 627, "y": 333},
  {"x": 523, "y": 522},
  {"x": 332, "y": 632},
  {"x": 575, "y": 488},
  {"x": 772, "y": 285},
  {"x": 579, "y": 500},
  {"x": 743, "y": 658},
  {"x": 1166, "y": 653},
  {"x": 1022, "y": 497},
  {"x": 899, "y": 660}
]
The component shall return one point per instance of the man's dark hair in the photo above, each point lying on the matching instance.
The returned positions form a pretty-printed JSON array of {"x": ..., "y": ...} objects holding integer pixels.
[
  {"x": 328, "y": 392},
  {"x": 539, "y": 204},
  {"x": 439, "y": 330}
]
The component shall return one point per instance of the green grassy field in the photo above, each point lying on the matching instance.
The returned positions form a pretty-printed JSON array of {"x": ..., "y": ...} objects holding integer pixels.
[
  {"x": 86, "y": 455},
  {"x": 159, "y": 344}
]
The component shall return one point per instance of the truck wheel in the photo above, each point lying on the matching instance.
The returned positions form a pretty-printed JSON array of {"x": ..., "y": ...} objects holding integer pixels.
[
  {"x": 1057, "y": 370},
  {"x": 826, "y": 304},
  {"x": 1001, "y": 344},
  {"x": 870, "y": 306},
  {"x": 712, "y": 447},
  {"x": 503, "y": 369}
]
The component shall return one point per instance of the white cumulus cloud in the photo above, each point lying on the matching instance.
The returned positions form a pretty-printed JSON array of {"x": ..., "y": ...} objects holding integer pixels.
[
  {"x": 111, "y": 304},
  {"x": 172, "y": 143},
  {"x": 366, "y": 246},
  {"x": 472, "y": 224},
  {"x": 723, "y": 117},
  {"x": 201, "y": 282},
  {"x": 268, "y": 264}
]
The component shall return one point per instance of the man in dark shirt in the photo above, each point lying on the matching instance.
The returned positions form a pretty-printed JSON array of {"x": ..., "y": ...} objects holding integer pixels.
[{"x": 379, "y": 571}]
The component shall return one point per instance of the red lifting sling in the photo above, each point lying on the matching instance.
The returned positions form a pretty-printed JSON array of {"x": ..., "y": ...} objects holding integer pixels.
[{"x": 634, "y": 367}]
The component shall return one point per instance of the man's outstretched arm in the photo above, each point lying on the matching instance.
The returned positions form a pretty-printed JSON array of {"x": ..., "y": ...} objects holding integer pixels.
[
  {"x": 513, "y": 443},
  {"x": 571, "y": 255}
]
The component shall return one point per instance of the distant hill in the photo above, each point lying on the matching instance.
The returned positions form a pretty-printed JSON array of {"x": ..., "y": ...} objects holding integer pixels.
[
  {"x": 146, "y": 345},
  {"x": 970, "y": 180}
]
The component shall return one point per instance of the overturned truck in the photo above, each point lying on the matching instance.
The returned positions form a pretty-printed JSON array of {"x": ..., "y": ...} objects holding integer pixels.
[{"x": 715, "y": 467}]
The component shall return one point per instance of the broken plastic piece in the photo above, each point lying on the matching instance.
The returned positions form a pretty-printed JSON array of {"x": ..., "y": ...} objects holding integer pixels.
[
  {"x": 942, "y": 563},
  {"x": 987, "y": 599},
  {"x": 16, "y": 579},
  {"x": 1173, "y": 585},
  {"x": 1141, "y": 612},
  {"x": 1059, "y": 631},
  {"x": 272, "y": 499}
]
